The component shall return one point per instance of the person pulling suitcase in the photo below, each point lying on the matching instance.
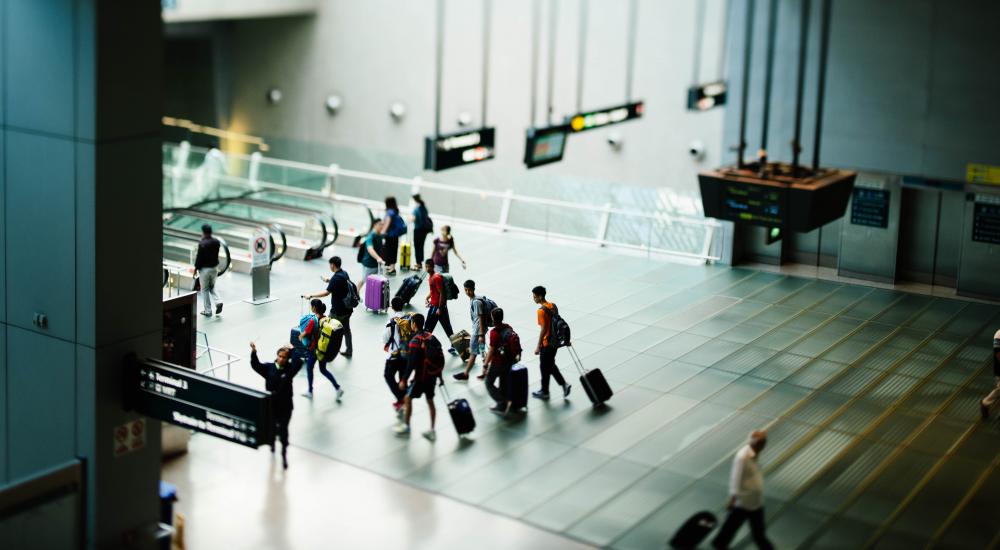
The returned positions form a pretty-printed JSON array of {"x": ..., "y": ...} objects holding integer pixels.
[
  {"x": 548, "y": 344},
  {"x": 425, "y": 365},
  {"x": 504, "y": 352}
]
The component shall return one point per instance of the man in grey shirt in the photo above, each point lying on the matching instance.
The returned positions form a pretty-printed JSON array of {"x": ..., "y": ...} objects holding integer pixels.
[
  {"x": 746, "y": 495},
  {"x": 477, "y": 341}
]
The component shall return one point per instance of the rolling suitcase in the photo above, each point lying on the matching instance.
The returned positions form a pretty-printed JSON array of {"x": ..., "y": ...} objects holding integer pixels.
[
  {"x": 517, "y": 387},
  {"x": 377, "y": 292},
  {"x": 593, "y": 381},
  {"x": 461, "y": 341},
  {"x": 408, "y": 289},
  {"x": 404, "y": 256},
  {"x": 694, "y": 531},
  {"x": 461, "y": 414}
]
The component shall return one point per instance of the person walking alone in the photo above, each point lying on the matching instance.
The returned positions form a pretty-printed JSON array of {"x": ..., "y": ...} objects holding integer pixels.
[
  {"x": 444, "y": 245},
  {"x": 746, "y": 495},
  {"x": 546, "y": 348},
  {"x": 278, "y": 377},
  {"x": 437, "y": 304},
  {"x": 206, "y": 265},
  {"x": 423, "y": 225}
]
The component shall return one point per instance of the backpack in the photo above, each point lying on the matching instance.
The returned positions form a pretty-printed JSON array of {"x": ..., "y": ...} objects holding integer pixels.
[
  {"x": 449, "y": 287},
  {"x": 559, "y": 334},
  {"x": 400, "y": 325},
  {"x": 510, "y": 345},
  {"x": 351, "y": 299},
  {"x": 433, "y": 355},
  {"x": 422, "y": 220},
  {"x": 328, "y": 326},
  {"x": 397, "y": 226},
  {"x": 303, "y": 323},
  {"x": 487, "y": 311}
]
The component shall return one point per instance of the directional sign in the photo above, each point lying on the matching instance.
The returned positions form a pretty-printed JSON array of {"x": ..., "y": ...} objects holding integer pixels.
[
  {"x": 202, "y": 403},
  {"x": 605, "y": 117},
  {"x": 459, "y": 149},
  {"x": 707, "y": 96}
]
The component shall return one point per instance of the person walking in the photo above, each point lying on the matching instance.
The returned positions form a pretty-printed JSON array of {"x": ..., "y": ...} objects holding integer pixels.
[
  {"x": 344, "y": 298},
  {"x": 504, "y": 352},
  {"x": 309, "y": 336},
  {"x": 746, "y": 495},
  {"x": 444, "y": 245},
  {"x": 993, "y": 396},
  {"x": 425, "y": 364},
  {"x": 396, "y": 337},
  {"x": 437, "y": 303},
  {"x": 206, "y": 265},
  {"x": 546, "y": 348},
  {"x": 477, "y": 340},
  {"x": 423, "y": 225},
  {"x": 278, "y": 378},
  {"x": 369, "y": 255},
  {"x": 393, "y": 227}
]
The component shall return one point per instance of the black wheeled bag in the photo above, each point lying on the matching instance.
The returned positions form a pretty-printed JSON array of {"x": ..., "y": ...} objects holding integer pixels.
[
  {"x": 694, "y": 530},
  {"x": 517, "y": 387},
  {"x": 460, "y": 412},
  {"x": 409, "y": 288},
  {"x": 593, "y": 381}
]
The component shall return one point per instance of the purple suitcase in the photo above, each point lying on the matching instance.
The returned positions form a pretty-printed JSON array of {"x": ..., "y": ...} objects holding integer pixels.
[{"x": 377, "y": 293}]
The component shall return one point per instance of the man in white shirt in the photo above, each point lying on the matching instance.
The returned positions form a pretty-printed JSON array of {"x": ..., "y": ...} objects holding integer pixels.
[
  {"x": 395, "y": 344},
  {"x": 746, "y": 495}
]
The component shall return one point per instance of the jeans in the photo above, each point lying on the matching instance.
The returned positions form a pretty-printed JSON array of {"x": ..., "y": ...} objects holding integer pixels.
[
  {"x": 498, "y": 372},
  {"x": 436, "y": 314},
  {"x": 419, "y": 237},
  {"x": 734, "y": 519},
  {"x": 310, "y": 363},
  {"x": 346, "y": 321},
  {"x": 281, "y": 420},
  {"x": 547, "y": 363},
  {"x": 393, "y": 368},
  {"x": 207, "y": 276}
]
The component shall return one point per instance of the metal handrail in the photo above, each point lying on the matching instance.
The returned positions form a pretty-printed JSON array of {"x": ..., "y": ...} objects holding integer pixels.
[{"x": 203, "y": 349}]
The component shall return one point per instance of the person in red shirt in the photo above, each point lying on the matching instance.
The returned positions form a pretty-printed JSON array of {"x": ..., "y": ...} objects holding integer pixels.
[
  {"x": 437, "y": 304},
  {"x": 498, "y": 362}
]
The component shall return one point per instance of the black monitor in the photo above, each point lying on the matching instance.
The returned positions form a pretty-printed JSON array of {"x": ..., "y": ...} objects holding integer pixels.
[{"x": 545, "y": 145}]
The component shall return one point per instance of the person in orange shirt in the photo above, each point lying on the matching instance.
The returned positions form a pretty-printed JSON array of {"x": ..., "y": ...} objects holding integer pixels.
[{"x": 546, "y": 348}]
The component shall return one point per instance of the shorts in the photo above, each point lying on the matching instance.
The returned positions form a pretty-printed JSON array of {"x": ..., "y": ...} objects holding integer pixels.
[
  {"x": 366, "y": 271},
  {"x": 419, "y": 389},
  {"x": 477, "y": 346}
]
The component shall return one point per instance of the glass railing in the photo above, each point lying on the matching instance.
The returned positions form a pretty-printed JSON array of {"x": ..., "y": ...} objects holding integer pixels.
[{"x": 644, "y": 219}]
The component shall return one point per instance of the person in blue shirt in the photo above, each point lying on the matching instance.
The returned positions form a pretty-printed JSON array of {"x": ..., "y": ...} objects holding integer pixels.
[
  {"x": 393, "y": 227},
  {"x": 422, "y": 226}
]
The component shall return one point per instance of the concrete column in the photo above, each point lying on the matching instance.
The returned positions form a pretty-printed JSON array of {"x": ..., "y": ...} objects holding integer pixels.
[{"x": 80, "y": 236}]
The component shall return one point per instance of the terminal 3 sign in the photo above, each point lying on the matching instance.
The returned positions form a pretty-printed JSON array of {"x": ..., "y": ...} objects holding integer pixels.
[
  {"x": 197, "y": 402},
  {"x": 459, "y": 149}
]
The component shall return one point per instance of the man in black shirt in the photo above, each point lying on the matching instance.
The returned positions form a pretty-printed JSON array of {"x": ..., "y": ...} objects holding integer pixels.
[
  {"x": 206, "y": 264},
  {"x": 343, "y": 299},
  {"x": 278, "y": 378}
]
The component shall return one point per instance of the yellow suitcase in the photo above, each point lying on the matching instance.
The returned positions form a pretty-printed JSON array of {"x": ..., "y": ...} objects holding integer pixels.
[{"x": 404, "y": 256}]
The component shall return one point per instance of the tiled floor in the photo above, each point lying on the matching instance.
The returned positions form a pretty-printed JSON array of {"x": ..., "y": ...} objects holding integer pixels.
[{"x": 869, "y": 395}]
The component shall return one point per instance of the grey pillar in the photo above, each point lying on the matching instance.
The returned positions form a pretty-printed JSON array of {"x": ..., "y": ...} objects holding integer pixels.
[
  {"x": 80, "y": 236},
  {"x": 870, "y": 229}
]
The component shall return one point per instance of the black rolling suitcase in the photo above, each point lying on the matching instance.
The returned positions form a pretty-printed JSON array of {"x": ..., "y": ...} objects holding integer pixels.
[
  {"x": 694, "y": 530},
  {"x": 517, "y": 387},
  {"x": 461, "y": 414},
  {"x": 408, "y": 289},
  {"x": 593, "y": 381}
]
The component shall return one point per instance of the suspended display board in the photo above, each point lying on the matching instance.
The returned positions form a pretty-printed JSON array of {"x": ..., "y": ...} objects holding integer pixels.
[
  {"x": 591, "y": 120},
  {"x": 459, "y": 149},
  {"x": 202, "y": 403},
  {"x": 545, "y": 145},
  {"x": 707, "y": 96}
]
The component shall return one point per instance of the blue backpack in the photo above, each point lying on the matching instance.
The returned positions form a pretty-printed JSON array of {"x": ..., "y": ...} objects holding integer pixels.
[{"x": 397, "y": 226}]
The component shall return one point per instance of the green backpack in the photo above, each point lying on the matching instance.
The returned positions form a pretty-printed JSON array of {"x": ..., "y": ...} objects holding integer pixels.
[{"x": 328, "y": 328}]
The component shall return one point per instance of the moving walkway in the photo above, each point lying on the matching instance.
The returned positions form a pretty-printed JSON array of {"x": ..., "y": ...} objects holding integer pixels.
[
  {"x": 180, "y": 248},
  {"x": 353, "y": 218},
  {"x": 237, "y": 232}
]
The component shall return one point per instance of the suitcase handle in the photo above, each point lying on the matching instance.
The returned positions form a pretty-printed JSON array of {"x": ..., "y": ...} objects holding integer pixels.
[
  {"x": 581, "y": 369},
  {"x": 444, "y": 388}
]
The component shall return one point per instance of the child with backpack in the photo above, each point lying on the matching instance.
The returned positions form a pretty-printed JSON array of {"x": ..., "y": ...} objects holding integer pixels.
[
  {"x": 315, "y": 329},
  {"x": 548, "y": 343},
  {"x": 504, "y": 352},
  {"x": 425, "y": 365},
  {"x": 396, "y": 337},
  {"x": 481, "y": 311}
]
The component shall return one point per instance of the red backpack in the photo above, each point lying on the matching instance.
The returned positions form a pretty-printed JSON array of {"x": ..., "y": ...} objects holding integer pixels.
[
  {"x": 433, "y": 354},
  {"x": 510, "y": 344}
]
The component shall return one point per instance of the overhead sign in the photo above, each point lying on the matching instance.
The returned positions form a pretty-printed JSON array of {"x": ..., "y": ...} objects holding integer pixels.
[
  {"x": 982, "y": 173},
  {"x": 707, "y": 96},
  {"x": 605, "y": 117},
  {"x": 545, "y": 145},
  {"x": 459, "y": 149},
  {"x": 183, "y": 397},
  {"x": 260, "y": 248}
]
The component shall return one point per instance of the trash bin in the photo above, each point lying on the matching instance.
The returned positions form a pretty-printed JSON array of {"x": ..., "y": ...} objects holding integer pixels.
[{"x": 168, "y": 495}]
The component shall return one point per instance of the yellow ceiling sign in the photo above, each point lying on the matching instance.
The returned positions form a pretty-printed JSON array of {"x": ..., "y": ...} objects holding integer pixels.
[{"x": 982, "y": 173}]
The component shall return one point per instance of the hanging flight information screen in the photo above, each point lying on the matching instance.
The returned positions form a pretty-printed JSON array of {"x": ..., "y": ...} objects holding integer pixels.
[
  {"x": 757, "y": 204},
  {"x": 545, "y": 145},
  {"x": 870, "y": 207},
  {"x": 459, "y": 149}
]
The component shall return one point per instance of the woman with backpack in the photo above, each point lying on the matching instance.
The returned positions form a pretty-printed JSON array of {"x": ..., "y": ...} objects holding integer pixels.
[
  {"x": 443, "y": 245},
  {"x": 422, "y": 226},
  {"x": 393, "y": 227},
  {"x": 310, "y": 326}
]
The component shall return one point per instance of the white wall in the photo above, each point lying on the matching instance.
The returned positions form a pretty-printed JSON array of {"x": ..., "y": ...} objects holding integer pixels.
[{"x": 379, "y": 51}]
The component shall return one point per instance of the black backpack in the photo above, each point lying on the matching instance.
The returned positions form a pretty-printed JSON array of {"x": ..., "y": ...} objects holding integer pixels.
[
  {"x": 351, "y": 299},
  {"x": 559, "y": 335},
  {"x": 487, "y": 310}
]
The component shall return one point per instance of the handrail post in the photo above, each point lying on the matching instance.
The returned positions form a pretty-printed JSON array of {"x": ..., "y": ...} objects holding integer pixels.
[
  {"x": 253, "y": 172},
  {"x": 709, "y": 238},
  {"x": 330, "y": 188},
  {"x": 505, "y": 210},
  {"x": 602, "y": 230}
]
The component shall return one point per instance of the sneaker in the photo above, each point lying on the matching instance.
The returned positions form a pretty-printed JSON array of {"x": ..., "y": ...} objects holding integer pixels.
[
  {"x": 284, "y": 462},
  {"x": 430, "y": 435},
  {"x": 461, "y": 376},
  {"x": 340, "y": 393},
  {"x": 347, "y": 353},
  {"x": 401, "y": 429},
  {"x": 452, "y": 351},
  {"x": 400, "y": 412},
  {"x": 566, "y": 388},
  {"x": 218, "y": 309},
  {"x": 499, "y": 410},
  {"x": 540, "y": 394},
  {"x": 308, "y": 394},
  {"x": 984, "y": 411},
  {"x": 206, "y": 313}
]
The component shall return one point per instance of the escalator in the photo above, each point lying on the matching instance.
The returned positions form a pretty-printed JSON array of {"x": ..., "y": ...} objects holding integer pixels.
[
  {"x": 238, "y": 233},
  {"x": 180, "y": 249},
  {"x": 308, "y": 232},
  {"x": 353, "y": 218}
]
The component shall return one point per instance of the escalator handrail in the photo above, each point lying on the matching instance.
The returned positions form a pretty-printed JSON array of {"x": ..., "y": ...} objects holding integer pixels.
[
  {"x": 329, "y": 237},
  {"x": 236, "y": 220},
  {"x": 318, "y": 196},
  {"x": 192, "y": 236}
]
